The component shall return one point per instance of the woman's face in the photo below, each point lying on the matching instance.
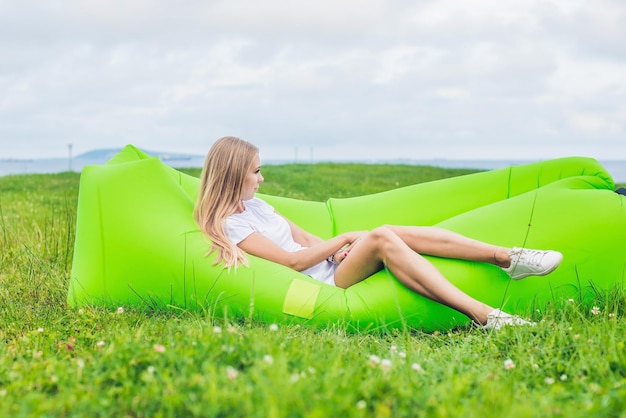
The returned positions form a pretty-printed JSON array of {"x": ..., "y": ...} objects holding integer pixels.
[{"x": 253, "y": 179}]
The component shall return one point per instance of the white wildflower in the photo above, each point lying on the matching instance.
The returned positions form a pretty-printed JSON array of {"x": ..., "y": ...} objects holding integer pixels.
[
  {"x": 417, "y": 368},
  {"x": 509, "y": 364},
  {"x": 374, "y": 360},
  {"x": 231, "y": 373},
  {"x": 385, "y": 364}
]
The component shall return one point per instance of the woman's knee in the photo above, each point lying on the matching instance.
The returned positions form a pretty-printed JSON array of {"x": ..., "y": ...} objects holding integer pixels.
[
  {"x": 381, "y": 233},
  {"x": 384, "y": 237}
]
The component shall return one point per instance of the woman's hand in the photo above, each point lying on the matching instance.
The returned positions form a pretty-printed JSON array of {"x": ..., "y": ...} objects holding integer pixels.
[
  {"x": 353, "y": 238},
  {"x": 338, "y": 256}
]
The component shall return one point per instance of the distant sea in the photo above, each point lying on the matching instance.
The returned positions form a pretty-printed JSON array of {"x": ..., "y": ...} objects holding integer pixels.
[{"x": 617, "y": 169}]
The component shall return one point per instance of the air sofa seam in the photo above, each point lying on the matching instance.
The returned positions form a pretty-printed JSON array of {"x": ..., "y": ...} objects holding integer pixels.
[
  {"x": 509, "y": 181},
  {"x": 329, "y": 208}
]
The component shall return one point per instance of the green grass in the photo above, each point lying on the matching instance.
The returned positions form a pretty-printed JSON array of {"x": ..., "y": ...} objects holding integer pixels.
[{"x": 57, "y": 361}]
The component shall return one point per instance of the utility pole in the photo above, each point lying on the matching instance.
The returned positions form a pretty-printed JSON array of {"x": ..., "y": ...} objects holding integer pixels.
[{"x": 69, "y": 157}]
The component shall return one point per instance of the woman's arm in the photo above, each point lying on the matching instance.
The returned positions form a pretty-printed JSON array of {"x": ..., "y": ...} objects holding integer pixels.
[{"x": 258, "y": 245}]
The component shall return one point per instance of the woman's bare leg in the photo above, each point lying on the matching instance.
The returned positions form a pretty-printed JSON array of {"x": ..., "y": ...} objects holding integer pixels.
[
  {"x": 384, "y": 246},
  {"x": 443, "y": 243}
]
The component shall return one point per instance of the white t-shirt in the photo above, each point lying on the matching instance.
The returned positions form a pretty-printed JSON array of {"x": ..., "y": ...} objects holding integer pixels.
[{"x": 260, "y": 217}]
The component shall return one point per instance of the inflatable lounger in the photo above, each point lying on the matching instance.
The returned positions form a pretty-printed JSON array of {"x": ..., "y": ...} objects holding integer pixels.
[{"x": 138, "y": 245}]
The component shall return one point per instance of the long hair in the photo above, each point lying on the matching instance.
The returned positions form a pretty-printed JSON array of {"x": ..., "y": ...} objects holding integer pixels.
[{"x": 223, "y": 175}]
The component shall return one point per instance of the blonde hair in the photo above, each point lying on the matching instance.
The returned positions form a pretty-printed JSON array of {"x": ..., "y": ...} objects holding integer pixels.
[{"x": 225, "y": 168}]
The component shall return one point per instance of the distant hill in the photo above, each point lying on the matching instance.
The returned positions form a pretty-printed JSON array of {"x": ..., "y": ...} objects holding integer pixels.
[
  {"x": 108, "y": 153},
  {"x": 99, "y": 154}
]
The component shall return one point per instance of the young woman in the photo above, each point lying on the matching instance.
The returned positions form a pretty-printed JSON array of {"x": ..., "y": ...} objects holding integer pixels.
[{"x": 238, "y": 223}]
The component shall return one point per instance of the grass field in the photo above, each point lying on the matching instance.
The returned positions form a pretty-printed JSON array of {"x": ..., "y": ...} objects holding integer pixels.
[{"x": 90, "y": 362}]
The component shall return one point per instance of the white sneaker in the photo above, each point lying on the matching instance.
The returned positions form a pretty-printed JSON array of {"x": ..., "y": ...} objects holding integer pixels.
[
  {"x": 526, "y": 262},
  {"x": 497, "y": 319}
]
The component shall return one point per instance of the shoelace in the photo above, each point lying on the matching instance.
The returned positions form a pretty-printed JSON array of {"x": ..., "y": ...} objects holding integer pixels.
[{"x": 533, "y": 257}]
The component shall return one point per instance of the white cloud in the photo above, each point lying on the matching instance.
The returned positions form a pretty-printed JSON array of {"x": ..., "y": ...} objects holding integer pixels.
[
  {"x": 395, "y": 63},
  {"x": 467, "y": 79}
]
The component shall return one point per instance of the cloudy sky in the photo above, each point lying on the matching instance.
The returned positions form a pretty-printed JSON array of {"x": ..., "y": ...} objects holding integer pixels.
[{"x": 340, "y": 79}]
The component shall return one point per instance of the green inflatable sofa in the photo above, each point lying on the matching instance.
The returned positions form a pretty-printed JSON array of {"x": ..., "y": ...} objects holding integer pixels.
[{"x": 137, "y": 244}]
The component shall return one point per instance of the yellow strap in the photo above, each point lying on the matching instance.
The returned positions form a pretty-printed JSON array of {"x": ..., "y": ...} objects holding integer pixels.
[{"x": 301, "y": 298}]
